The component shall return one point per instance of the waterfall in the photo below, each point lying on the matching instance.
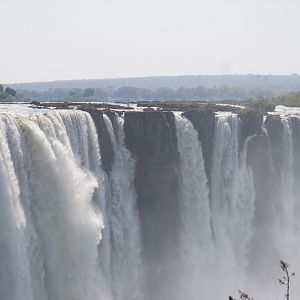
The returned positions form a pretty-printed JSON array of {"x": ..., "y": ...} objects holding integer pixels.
[
  {"x": 146, "y": 205},
  {"x": 15, "y": 279},
  {"x": 51, "y": 226},
  {"x": 223, "y": 252},
  {"x": 232, "y": 202},
  {"x": 196, "y": 235},
  {"x": 287, "y": 174},
  {"x": 123, "y": 219},
  {"x": 195, "y": 203},
  {"x": 288, "y": 225},
  {"x": 232, "y": 192}
]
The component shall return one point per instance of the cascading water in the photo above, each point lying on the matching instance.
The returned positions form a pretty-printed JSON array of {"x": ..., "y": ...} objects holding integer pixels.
[
  {"x": 288, "y": 225},
  {"x": 215, "y": 235},
  {"x": 15, "y": 279},
  {"x": 287, "y": 174},
  {"x": 232, "y": 190},
  {"x": 196, "y": 235},
  {"x": 50, "y": 228},
  {"x": 195, "y": 205},
  {"x": 72, "y": 229},
  {"x": 232, "y": 201},
  {"x": 125, "y": 265}
]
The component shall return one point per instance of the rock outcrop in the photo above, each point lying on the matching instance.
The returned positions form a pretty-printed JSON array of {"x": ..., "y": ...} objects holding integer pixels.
[
  {"x": 107, "y": 153},
  {"x": 151, "y": 138},
  {"x": 204, "y": 122}
]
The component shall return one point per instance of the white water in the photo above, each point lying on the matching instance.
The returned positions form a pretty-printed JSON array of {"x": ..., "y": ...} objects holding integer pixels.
[
  {"x": 232, "y": 190},
  {"x": 232, "y": 204},
  {"x": 288, "y": 224},
  {"x": 232, "y": 201},
  {"x": 15, "y": 279},
  {"x": 223, "y": 252},
  {"x": 196, "y": 236},
  {"x": 125, "y": 260},
  {"x": 50, "y": 229},
  {"x": 287, "y": 174},
  {"x": 53, "y": 191}
]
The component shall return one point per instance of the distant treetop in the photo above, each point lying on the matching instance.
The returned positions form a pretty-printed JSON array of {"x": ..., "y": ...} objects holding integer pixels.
[{"x": 7, "y": 94}]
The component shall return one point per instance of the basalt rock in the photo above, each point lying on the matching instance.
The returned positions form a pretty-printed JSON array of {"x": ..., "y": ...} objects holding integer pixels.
[
  {"x": 106, "y": 150},
  {"x": 251, "y": 121},
  {"x": 204, "y": 123},
  {"x": 151, "y": 138},
  {"x": 267, "y": 192},
  {"x": 274, "y": 128}
]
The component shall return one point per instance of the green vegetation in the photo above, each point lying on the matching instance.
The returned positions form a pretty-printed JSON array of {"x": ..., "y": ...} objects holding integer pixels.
[
  {"x": 285, "y": 280},
  {"x": 7, "y": 95},
  {"x": 290, "y": 99},
  {"x": 129, "y": 93},
  {"x": 89, "y": 92},
  {"x": 255, "y": 97},
  {"x": 268, "y": 104}
]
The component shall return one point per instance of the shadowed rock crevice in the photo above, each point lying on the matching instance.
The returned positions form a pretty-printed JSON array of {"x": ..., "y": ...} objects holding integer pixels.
[
  {"x": 266, "y": 192},
  {"x": 295, "y": 124},
  {"x": 274, "y": 128},
  {"x": 106, "y": 150},
  {"x": 251, "y": 122},
  {"x": 151, "y": 138},
  {"x": 265, "y": 156},
  {"x": 204, "y": 122}
]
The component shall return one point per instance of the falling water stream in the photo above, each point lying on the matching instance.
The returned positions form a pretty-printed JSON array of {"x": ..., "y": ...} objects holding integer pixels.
[{"x": 71, "y": 231}]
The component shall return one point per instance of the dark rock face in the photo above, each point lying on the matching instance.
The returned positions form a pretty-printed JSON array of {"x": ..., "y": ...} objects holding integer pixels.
[
  {"x": 295, "y": 124},
  {"x": 251, "y": 121},
  {"x": 259, "y": 158},
  {"x": 113, "y": 118},
  {"x": 265, "y": 156},
  {"x": 151, "y": 138},
  {"x": 107, "y": 153},
  {"x": 204, "y": 123},
  {"x": 274, "y": 128}
]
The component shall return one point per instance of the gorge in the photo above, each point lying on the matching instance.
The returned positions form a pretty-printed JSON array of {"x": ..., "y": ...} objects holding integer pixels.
[{"x": 117, "y": 204}]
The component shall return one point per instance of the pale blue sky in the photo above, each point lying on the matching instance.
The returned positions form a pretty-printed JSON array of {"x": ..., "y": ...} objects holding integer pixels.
[{"x": 76, "y": 39}]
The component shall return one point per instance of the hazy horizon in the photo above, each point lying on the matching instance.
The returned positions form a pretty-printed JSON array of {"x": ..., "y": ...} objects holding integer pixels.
[
  {"x": 150, "y": 76},
  {"x": 74, "y": 40}
]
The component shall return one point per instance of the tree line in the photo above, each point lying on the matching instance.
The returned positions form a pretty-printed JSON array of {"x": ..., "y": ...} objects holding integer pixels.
[
  {"x": 7, "y": 94},
  {"x": 128, "y": 93}
]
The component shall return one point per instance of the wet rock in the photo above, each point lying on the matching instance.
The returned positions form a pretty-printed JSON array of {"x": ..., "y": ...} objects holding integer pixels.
[
  {"x": 151, "y": 138},
  {"x": 204, "y": 123}
]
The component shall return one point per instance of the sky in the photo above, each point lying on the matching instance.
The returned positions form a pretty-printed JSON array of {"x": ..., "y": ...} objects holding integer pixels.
[{"x": 45, "y": 40}]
